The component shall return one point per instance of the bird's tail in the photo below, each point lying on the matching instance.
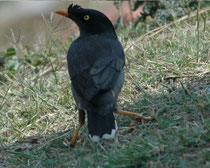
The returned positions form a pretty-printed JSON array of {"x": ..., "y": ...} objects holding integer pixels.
[{"x": 101, "y": 126}]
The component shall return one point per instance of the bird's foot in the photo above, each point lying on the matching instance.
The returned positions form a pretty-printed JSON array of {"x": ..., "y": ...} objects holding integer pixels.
[{"x": 73, "y": 142}]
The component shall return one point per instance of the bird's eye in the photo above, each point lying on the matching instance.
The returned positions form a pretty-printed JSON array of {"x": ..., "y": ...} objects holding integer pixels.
[{"x": 86, "y": 17}]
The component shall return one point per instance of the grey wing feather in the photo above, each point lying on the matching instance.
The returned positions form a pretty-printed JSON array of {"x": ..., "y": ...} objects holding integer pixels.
[{"x": 106, "y": 76}]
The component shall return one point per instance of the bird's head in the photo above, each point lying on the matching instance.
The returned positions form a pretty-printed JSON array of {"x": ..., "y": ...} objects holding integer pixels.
[{"x": 89, "y": 21}]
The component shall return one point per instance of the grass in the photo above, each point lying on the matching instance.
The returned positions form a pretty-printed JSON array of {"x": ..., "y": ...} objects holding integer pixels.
[{"x": 164, "y": 78}]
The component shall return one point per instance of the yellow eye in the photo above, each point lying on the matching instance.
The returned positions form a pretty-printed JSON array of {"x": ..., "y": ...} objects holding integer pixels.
[{"x": 86, "y": 17}]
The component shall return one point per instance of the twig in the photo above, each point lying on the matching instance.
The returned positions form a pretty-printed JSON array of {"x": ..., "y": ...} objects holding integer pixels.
[
  {"x": 155, "y": 31},
  {"x": 198, "y": 31},
  {"x": 47, "y": 71},
  {"x": 4, "y": 97},
  {"x": 181, "y": 19}
]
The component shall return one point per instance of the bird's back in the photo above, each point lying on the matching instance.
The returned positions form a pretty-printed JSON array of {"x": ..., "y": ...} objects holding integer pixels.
[{"x": 96, "y": 63}]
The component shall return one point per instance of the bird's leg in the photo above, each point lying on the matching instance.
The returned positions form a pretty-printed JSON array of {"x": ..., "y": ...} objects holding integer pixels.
[
  {"x": 130, "y": 114},
  {"x": 76, "y": 132},
  {"x": 136, "y": 115},
  {"x": 75, "y": 135}
]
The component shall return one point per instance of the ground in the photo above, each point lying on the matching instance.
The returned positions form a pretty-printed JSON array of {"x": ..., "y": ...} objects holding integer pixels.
[{"x": 167, "y": 77}]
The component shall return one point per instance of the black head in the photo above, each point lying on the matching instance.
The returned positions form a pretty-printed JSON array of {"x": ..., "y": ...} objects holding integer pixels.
[{"x": 90, "y": 21}]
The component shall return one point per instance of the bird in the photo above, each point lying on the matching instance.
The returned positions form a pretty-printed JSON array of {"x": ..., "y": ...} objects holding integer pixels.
[{"x": 95, "y": 63}]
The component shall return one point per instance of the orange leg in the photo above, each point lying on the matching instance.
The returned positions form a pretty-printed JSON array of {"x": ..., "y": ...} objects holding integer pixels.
[
  {"x": 130, "y": 114},
  {"x": 75, "y": 135},
  {"x": 136, "y": 115},
  {"x": 74, "y": 138}
]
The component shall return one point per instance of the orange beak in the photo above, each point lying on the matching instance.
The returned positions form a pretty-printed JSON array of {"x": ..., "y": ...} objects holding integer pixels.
[{"x": 61, "y": 12}]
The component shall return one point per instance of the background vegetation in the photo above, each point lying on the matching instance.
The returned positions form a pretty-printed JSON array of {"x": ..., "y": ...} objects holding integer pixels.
[{"x": 167, "y": 76}]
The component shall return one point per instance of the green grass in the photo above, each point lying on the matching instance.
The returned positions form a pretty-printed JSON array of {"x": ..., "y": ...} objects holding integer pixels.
[{"x": 164, "y": 78}]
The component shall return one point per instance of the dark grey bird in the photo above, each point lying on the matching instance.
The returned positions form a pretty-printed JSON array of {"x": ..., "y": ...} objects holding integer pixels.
[{"x": 95, "y": 63}]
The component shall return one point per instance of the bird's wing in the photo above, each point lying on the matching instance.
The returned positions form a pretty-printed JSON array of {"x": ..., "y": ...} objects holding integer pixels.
[
  {"x": 95, "y": 66},
  {"x": 106, "y": 72}
]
